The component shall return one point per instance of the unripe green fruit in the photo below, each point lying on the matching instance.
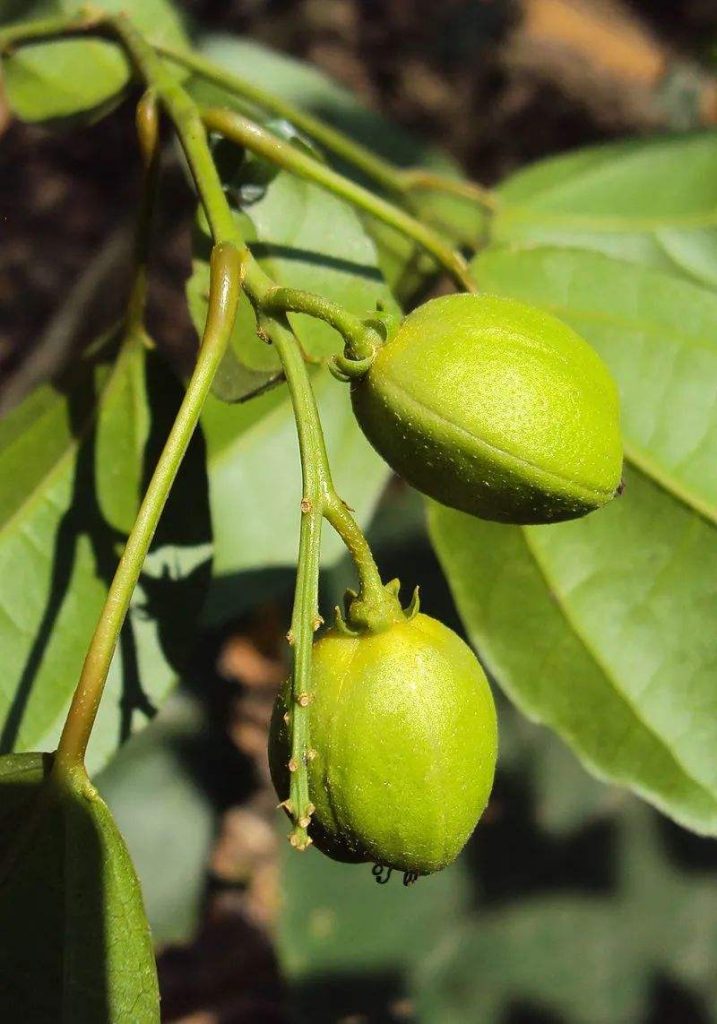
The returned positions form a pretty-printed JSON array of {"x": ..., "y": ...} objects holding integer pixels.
[
  {"x": 403, "y": 727},
  {"x": 495, "y": 408}
]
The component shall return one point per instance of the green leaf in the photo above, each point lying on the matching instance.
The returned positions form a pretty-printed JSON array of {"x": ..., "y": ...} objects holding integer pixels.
[
  {"x": 255, "y": 479},
  {"x": 651, "y": 202},
  {"x": 158, "y": 803},
  {"x": 654, "y": 923},
  {"x": 65, "y": 78},
  {"x": 656, "y": 333},
  {"x": 339, "y": 930},
  {"x": 602, "y": 629},
  {"x": 75, "y": 458},
  {"x": 76, "y": 942}
]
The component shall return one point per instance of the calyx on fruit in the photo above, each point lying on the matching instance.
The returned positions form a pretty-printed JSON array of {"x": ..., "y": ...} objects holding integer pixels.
[
  {"x": 495, "y": 408},
  {"x": 404, "y": 740}
]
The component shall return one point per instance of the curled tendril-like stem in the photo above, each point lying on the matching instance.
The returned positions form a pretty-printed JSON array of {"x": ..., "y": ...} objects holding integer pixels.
[{"x": 346, "y": 369}]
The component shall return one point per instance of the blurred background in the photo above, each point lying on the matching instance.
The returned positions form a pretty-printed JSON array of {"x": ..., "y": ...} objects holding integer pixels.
[{"x": 574, "y": 902}]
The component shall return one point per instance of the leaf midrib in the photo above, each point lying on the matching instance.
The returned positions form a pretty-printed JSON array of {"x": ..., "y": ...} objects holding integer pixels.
[
  {"x": 649, "y": 468},
  {"x": 649, "y": 327},
  {"x": 608, "y": 224}
]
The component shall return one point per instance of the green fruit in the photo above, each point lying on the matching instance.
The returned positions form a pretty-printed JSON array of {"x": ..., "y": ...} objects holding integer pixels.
[
  {"x": 403, "y": 727},
  {"x": 494, "y": 408}
]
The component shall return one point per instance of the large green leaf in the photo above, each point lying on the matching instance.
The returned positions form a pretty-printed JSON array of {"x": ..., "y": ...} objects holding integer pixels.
[
  {"x": 74, "y": 458},
  {"x": 75, "y": 942},
  {"x": 601, "y": 627},
  {"x": 65, "y": 78},
  {"x": 656, "y": 928},
  {"x": 652, "y": 202}
]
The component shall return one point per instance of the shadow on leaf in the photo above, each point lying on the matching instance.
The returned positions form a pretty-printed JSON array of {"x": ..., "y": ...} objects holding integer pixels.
[{"x": 171, "y": 587}]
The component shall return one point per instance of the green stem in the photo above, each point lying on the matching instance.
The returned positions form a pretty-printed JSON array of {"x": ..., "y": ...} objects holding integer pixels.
[
  {"x": 185, "y": 117},
  {"x": 246, "y": 133},
  {"x": 223, "y": 298},
  {"x": 374, "y": 167},
  {"x": 147, "y": 121},
  {"x": 47, "y": 28},
  {"x": 398, "y": 181},
  {"x": 303, "y": 619},
  {"x": 316, "y": 484},
  {"x": 227, "y": 261},
  {"x": 361, "y": 339},
  {"x": 418, "y": 179}
]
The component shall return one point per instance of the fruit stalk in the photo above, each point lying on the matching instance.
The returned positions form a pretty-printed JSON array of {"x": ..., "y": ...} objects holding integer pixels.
[
  {"x": 319, "y": 501},
  {"x": 361, "y": 339}
]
